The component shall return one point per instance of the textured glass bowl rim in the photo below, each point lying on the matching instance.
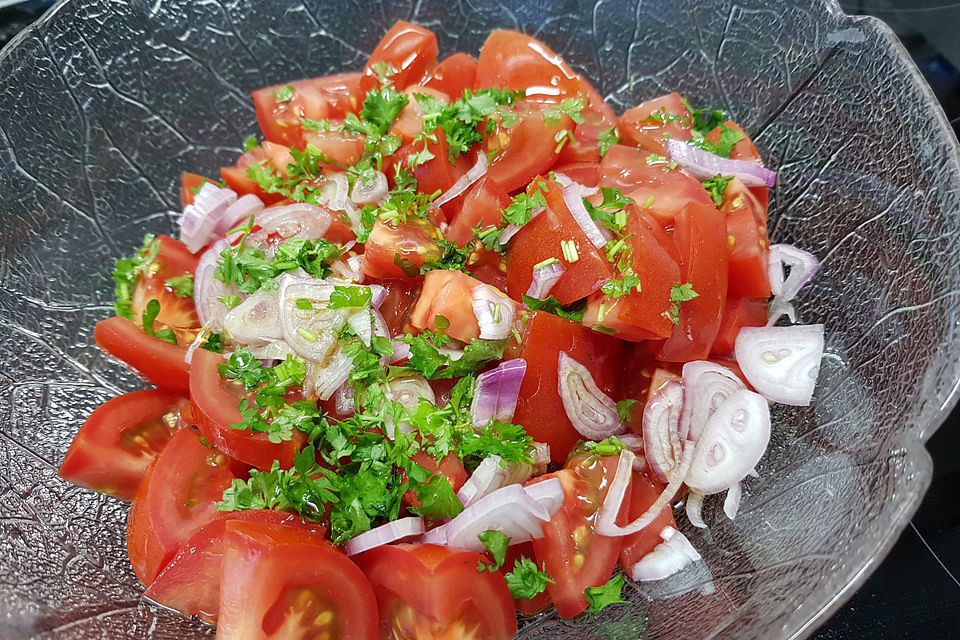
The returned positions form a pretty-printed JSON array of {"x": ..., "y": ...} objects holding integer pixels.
[{"x": 802, "y": 628}]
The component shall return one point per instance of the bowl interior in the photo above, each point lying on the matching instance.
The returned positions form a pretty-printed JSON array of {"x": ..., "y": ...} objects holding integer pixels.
[{"x": 102, "y": 107}]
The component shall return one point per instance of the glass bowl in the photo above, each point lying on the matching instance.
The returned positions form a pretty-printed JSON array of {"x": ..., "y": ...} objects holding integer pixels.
[{"x": 102, "y": 105}]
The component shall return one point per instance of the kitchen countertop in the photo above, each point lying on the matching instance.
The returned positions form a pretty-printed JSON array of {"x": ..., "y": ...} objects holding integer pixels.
[{"x": 915, "y": 593}]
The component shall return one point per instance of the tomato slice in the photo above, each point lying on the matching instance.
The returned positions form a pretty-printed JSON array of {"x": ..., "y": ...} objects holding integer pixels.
[
  {"x": 190, "y": 583},
  {"x": 541, "y": 239},
  {"x": 329, "y": 97},
  {"x": 453, "y": 75},
  {"x": 426, "y": 591},
  {"x": 648, "y": 123},
  {"x": 217, "y": 408},
  {"x": 738, "y": 313},
  {"x": 745, "y": 150},
  {"x": 700, "y": 234},
  {"x": 481, "y": 209},
  {"x": 643, "y": 493},
  {"x": 576, "y": 557},
  {"x": 286, "y": 583},
  {"x": 409, "y": 48},
  {"x": 119, "y": 440},
  {"x": 397, "y": 251},
  {"x": 449, "y": 294},
  {"x": 515, "y": 61},
  {"x": 749, "y": 255},
  {"x": 160, "y": 362},
  {"x": 528, "y": 149},
  {"x": 176, "y": 313},
  {"x": 397, "y": 304},
  {"x": 539, "y": 408},
  {"x": 177, "y": 496}
]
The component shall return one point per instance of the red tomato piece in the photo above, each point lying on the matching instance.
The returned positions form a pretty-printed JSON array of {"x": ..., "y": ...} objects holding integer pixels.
[
  {"x": 647, "y": 123},
  {"x": 216, "y": 409},
  {"x": 515, "y": 61},
  {"x": 539, "y": 408},
  {"x": 489, "y": 268},
  {"x": 190, "y": 583},
  {"x": 449, "y": 294},
  {"x": 643, "y": 493},
  {"x": 342, "y": 148},
  {"x": 541, "y": 239},
  {"x": 176, "y": 313},
  {"x": 738, "y": 313},
  {"x": 749, "y": 255},
  {"x": 329, "y": 97},
  {"x": 286, "y": 583},
  {"x": 119, "y": 440},
  {"x": 700, "y": 233},
  {"x": 449, "y": 467},
  {"x": 453, "y": 75},
  {"x": 161, "y": 363},
  {"x": 177, "y": 496},
  {"x": 398, "y": 303},
  {"x": 586, "y": 173},
  {"x": 410, "y": 49},
  {"x": 428, "y": 591},
  {"x": 481, "y": 208},
  {"x": 437, "y": 173},
  {"x": 529, "y": 150},
  {"x": 276, "y": 156},
  {"x": 397, "y": 251},
  {"x": 745, "y": 150},
  {"x": 576, "y": 557},
  {"x": 189, "y": 184}
]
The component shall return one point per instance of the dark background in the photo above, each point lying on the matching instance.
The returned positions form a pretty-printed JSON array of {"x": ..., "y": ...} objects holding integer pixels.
[{"x": 915, "y": 593}]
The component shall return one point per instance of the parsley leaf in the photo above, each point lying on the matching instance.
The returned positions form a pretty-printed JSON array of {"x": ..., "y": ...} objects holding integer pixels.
[
  {"x": 150, "y": 313},
  {"x": 251, "y": 269},
  {"x": 214, "y": 343},
  {"x": 716, "y": 187},
  {"x": 606, "y": 139},
  {"x": 436, "y": 497},
  {"x": 601, "y": 597},
  {"x": 680, "y": 293},
  {"x": 242, "y": 367},
  {"x": 250, "y": 143},
  {"x": 496, "y": 542},
  {"x": 426, "y": 358},
  {"x": 460, "y": 119},
  {"x": 705, "y": 120},
  {"x": 570, "y": 106},
  {"x": 520, "y": 211},
  {"x": 552, "y": 305},
  {"x": 526, "y": 581},
  {"x": 182, "y": 286},
  {"x": 619, "y": 288},
  {"x": 453, "y": 258},
  {"x": 624, "y": 408},
  {"x": 349, "y": 297},
  {"x": 284, "y": 93},
  {"x": 608, "y": 447},
  {"x": 128, "y": 270}
]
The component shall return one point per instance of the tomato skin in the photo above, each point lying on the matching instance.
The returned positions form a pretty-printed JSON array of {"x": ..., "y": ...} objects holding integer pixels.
[
  {"x": 530, "y": 151},
  {"x": 643, "y": 493},
  {"x": 453, "y": 75},
  {"x": 481, "y": 208},
  {"x": 178, "y": 314},
  {"x": 412, "y": 242},
  {"x": 700, "y": 234},
  {"x": 427, "y": 591},
  {"x": 448, "y": 294},
  {"x": 540, "y": 408},
  {"x": 738, "y": 313},
  {"x": 515, "y": 61},
  {"x": 749, "y": 255},
  {"x": 586, "y": 173},
  {"x": 177, "y": 497},
  {"x": 161, "y": 363},
  {"x": 328, "y": 97},
  {"x": 190, "y": 582},
  {"x": 575, "y": 556},
  {"x": 281, "y": 582},
  {"x": 638, "y": 129},
  {"x": 342, "y": 148},
  {"x": 541, "y": 239},
  {"x": 409, "y": 48},
  {"x": 112, "y": 450},
  {"x": 235, "y": 177},
  {"x": 216, "y": 409}
]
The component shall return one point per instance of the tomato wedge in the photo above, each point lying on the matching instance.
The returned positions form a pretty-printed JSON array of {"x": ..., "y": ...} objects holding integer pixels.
[
  {"x": 286, "y": 583},
  {"x": 738, "y": 313},
  {"x": 643, "y": 493},
  {"x": 119, "y": 440},
  {"x": 159, "y": 362},
  {"x": 453, "y": 75},
  {"x": 429, "y": 591},
  {"x": 515, "y": 61},
  {"x": 749, "y": 255},
  {"x": 190, "y": 583},
  {"x": 448, "y": 294},
  {"x": 646, "y": 124},
  {"x": 177, "y": 313},
  {"x": 481, "y": 209},
  {"x": 540, "y": 408},
  {"x": 177, "y": 496},
  {"x": 576, "y": 557},
  {"x": 409, "y": 48},
  {"x": 216, "y": 409},
  {"x": 329, "y": 97},
  {"x": 397, "y": 251}
]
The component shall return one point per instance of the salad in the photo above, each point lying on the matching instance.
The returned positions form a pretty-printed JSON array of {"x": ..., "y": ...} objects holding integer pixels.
[{"x": 447, "y": 343}]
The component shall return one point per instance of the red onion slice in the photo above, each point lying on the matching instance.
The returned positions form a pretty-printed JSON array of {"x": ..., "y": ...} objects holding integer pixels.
[
  {"x": 731, "y": 504},
  {"x": 734, "y": 440},
  {"x": 704, "y": 165},
  {"x": 239, "y": 212},
  {"x": 607, "y": 516},
  {"x": 782, "y": 363},
  {"x": 477, "y": 171},
  {"x": 207, "y": 290},
  {"x": 667, "y": 558},
  {"x": 635, "y": 443},
  {"x": 592, "y": 412},
  {"x": 566, "y": 181},
  {"x": 705, "y": 386},
  {"x": 256, "y": 320},
  {"x": 385, "y": 534},
  {"x": 200, "y": 220},
  {"x": 573, "y": 197},
  {"x": 401, "y": 351},
  {"x": 694, "y": 508},
  {"x": 337, "y": 191},
  {"x": 324, "y": 380},
  {"x": 803, "y": 266},
  {"x": 361, "y": 323},
  {"x": 548, "y": 493},
  {"x": 661, "y": 424},
  {"x": 496, "y": 392},
  {"x": 297, "y": 220},
  {"x": 437, "y": 535},
  {"x": 344, "y": 400},
  {"x": 779, "y": 308},
  {"x": 494, "y": 312},
  {"x": 363, "y": 193},
  {"x": 511, "y": 229},
  {"x": 544, "y": 277},
  {"x": 202, "y": 336},
  {"x": 509, "y": 510},
  {"x": 492, "y": 474}
]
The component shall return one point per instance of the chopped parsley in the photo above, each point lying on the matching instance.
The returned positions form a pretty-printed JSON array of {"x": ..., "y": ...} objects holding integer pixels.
[
  {"x": 250, "y": 143},
  {"x": 182, "y": 286},
  {"x": 706, "y": 120},
  {"x": 453, "y": 257},
  {"x": 680, "y": 293},
  {"x": 459, "y": 120},
  {"x": 284, "y": 93},
  {"x": 570, "y": 106},
  {"x": 214, "y": 343},
  {"x": 716, "y": 187},
  {"x": 496, "y": 543},
  {"x": 608, "y": 447},
  {"x": 601, "y": 597},
  {"x": 606, "y": 139},
  {"x": 624, "y": 408},
  {"x": 526, "y": 580},
  {"x": 611, "y": 211},
  {"x": 348, "y": 297},
  {"x": 520, "y": 210},
  {"x": 619, "y": 288},
  {"x": 426, "y": 358},
  {"x": 552, "y": 305},
  {"x": 252, "y": 269},
  {"x": 128, "y": 270},
  {"x": 150, "y": 313}
]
